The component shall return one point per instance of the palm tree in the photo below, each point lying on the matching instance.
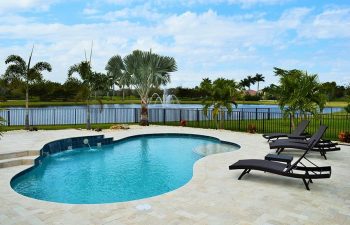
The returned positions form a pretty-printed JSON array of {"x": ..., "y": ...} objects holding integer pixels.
[
  {"x": 116, "y": 73},
  {"x": 20, "y": 70},
  {"x": 250, "y": 80},
  {"x": 92, "y": 82},
  {"x": 299, "y": 92},
  {"x": 147, "y": 70},
  {"x": 259, "y": 78},
  {"x": 245, "y": 83},
  {"x": 220, "y": 96},
  {"x": 100, "y": 84}
]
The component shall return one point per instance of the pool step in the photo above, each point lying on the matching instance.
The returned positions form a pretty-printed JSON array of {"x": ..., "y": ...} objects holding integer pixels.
[
  {"x": 18, "y": 161},
  {"x": 19, "y": 154}
]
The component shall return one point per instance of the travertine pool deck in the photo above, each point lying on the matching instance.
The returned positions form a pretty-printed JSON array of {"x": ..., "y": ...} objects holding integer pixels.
[{"x": 213, "y": 196}]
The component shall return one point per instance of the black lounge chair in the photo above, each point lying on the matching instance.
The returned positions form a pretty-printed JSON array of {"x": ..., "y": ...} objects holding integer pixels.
[
  {"x": 321, "y": 146},
  {"x": 298, "y": 133},
  {"x": 295, "y": 170}
]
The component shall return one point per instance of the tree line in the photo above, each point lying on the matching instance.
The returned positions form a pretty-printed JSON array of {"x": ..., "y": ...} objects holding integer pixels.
[
  {"x": 142, "y": 73},
  {"x": 140, "y": 70}
]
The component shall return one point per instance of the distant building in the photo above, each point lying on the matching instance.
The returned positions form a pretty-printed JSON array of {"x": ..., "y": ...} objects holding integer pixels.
[{"x": 250, "y": 92}]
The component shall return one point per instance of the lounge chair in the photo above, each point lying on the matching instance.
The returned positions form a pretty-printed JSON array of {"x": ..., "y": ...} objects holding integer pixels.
[
  {"x": 298, "y": 133},
  {"x": 295, "y": 170},
  {"x": 321, "y": 146}
]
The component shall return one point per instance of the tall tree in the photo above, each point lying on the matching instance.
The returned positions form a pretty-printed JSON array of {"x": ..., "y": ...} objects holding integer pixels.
[
  {"x": 251, "y": 80},
  {"x": 244, "y": 83},
  {"x": 347, "y": 93},
  {"x": 116, "y": 73},
  {"x": 259, "y": 78},
  {"x": 299, "y": 92},
  {"x": 91, "y": 83},
  {"x": 147, "y": 70},
  {"x": 220, "y": 95},
  {"x": 21, "y": 70},
  {"x": 83, "y": 69}
]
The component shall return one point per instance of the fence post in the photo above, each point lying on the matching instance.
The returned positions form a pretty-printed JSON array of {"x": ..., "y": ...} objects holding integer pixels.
[
  {"x": 263, "y": 119},
  {"x": 239, "y": 120},
  {"x": 180, "y": 114},
  {"x": 164, "y": 116},
  {"x": 31, "y": 117},
  {"x": 268, "y": 115},
  {"x": 197, "y": 117},
  {"x": 96, "y": 115},
  {"x": 54, "y": 116},
  {"x": 256, "y": 113},
  {"x": 290, "y": 123},
  {"x": 135, "y": 115},
  {"x": 8, "y": 118},
  {"x": 75, "y": 116}
]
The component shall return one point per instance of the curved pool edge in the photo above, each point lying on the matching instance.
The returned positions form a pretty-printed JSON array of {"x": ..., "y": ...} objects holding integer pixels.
[{"x": 37, "y": 161}]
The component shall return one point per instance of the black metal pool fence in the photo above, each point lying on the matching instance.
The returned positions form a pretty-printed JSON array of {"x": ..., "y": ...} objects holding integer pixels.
[{"x": 264, "y": 119}]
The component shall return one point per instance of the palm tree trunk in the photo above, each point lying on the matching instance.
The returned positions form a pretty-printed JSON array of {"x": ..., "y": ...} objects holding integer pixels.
[
  {"x": 222, "y": 118},
  {"x": 217, "y": 125},
  {"x": 88, "y": 123},
  {"x": 292, "y": 120},
  {"x": 27, "y": 109},
  {"x": 144, "y": 112},
  {"x": 123, "y": 94},
  {"x": 257, "y": 92},
  {"x": 113, "y": 92}
]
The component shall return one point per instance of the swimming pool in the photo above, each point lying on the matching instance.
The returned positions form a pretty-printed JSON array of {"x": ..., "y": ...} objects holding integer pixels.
[{"x": 133, "y": 168}]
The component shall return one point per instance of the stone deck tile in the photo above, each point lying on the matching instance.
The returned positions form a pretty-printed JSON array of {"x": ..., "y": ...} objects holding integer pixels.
[{"x": 213, "y": 196}]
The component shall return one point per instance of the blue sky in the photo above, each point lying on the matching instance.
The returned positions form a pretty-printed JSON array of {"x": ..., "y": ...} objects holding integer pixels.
[{"x": 208, "y": 38}]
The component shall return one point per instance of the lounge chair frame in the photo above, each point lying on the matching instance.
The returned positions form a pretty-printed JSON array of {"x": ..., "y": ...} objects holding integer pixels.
[
  {"x": 296, "y": 170},
  {"x": 321, "y": 146},
  {"x": 298, "y": 133}
]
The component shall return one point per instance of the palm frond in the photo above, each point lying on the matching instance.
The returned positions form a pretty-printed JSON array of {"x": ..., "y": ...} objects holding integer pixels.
[
  {"x": 41, "y": 66},
  {"x": 17, "y": 60}
]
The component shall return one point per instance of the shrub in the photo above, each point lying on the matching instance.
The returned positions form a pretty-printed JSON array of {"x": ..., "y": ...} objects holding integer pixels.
[
  {"x": 252, "y": 97},
  {"x": 251, "y": 128},
  {"x": 347, "y": 108},
  {"x": 344, "y": 136}
]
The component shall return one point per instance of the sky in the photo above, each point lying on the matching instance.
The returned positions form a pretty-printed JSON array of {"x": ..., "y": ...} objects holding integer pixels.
[{"x": 207, "y": 38}]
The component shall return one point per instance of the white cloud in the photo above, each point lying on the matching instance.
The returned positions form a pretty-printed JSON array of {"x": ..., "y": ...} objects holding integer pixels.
[
  {"x": 293, "y": 18},
  {"x": 203, "y": 44},
  {"x": 90, "y": 11},
  {"x": 22, "y": 5},
  {"x": 141, "y": 11},
  {"x": 243, "y": 3},
  {"x": 332, "y": 23}
]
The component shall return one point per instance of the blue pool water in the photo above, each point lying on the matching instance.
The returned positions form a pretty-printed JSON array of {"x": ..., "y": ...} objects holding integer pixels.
[{"x": 134, "y": 168}]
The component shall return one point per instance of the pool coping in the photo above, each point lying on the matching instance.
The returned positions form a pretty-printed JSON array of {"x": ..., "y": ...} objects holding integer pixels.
[
  {"x": 45, "y": 152},
  {"x": 212, "y": 196}
]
